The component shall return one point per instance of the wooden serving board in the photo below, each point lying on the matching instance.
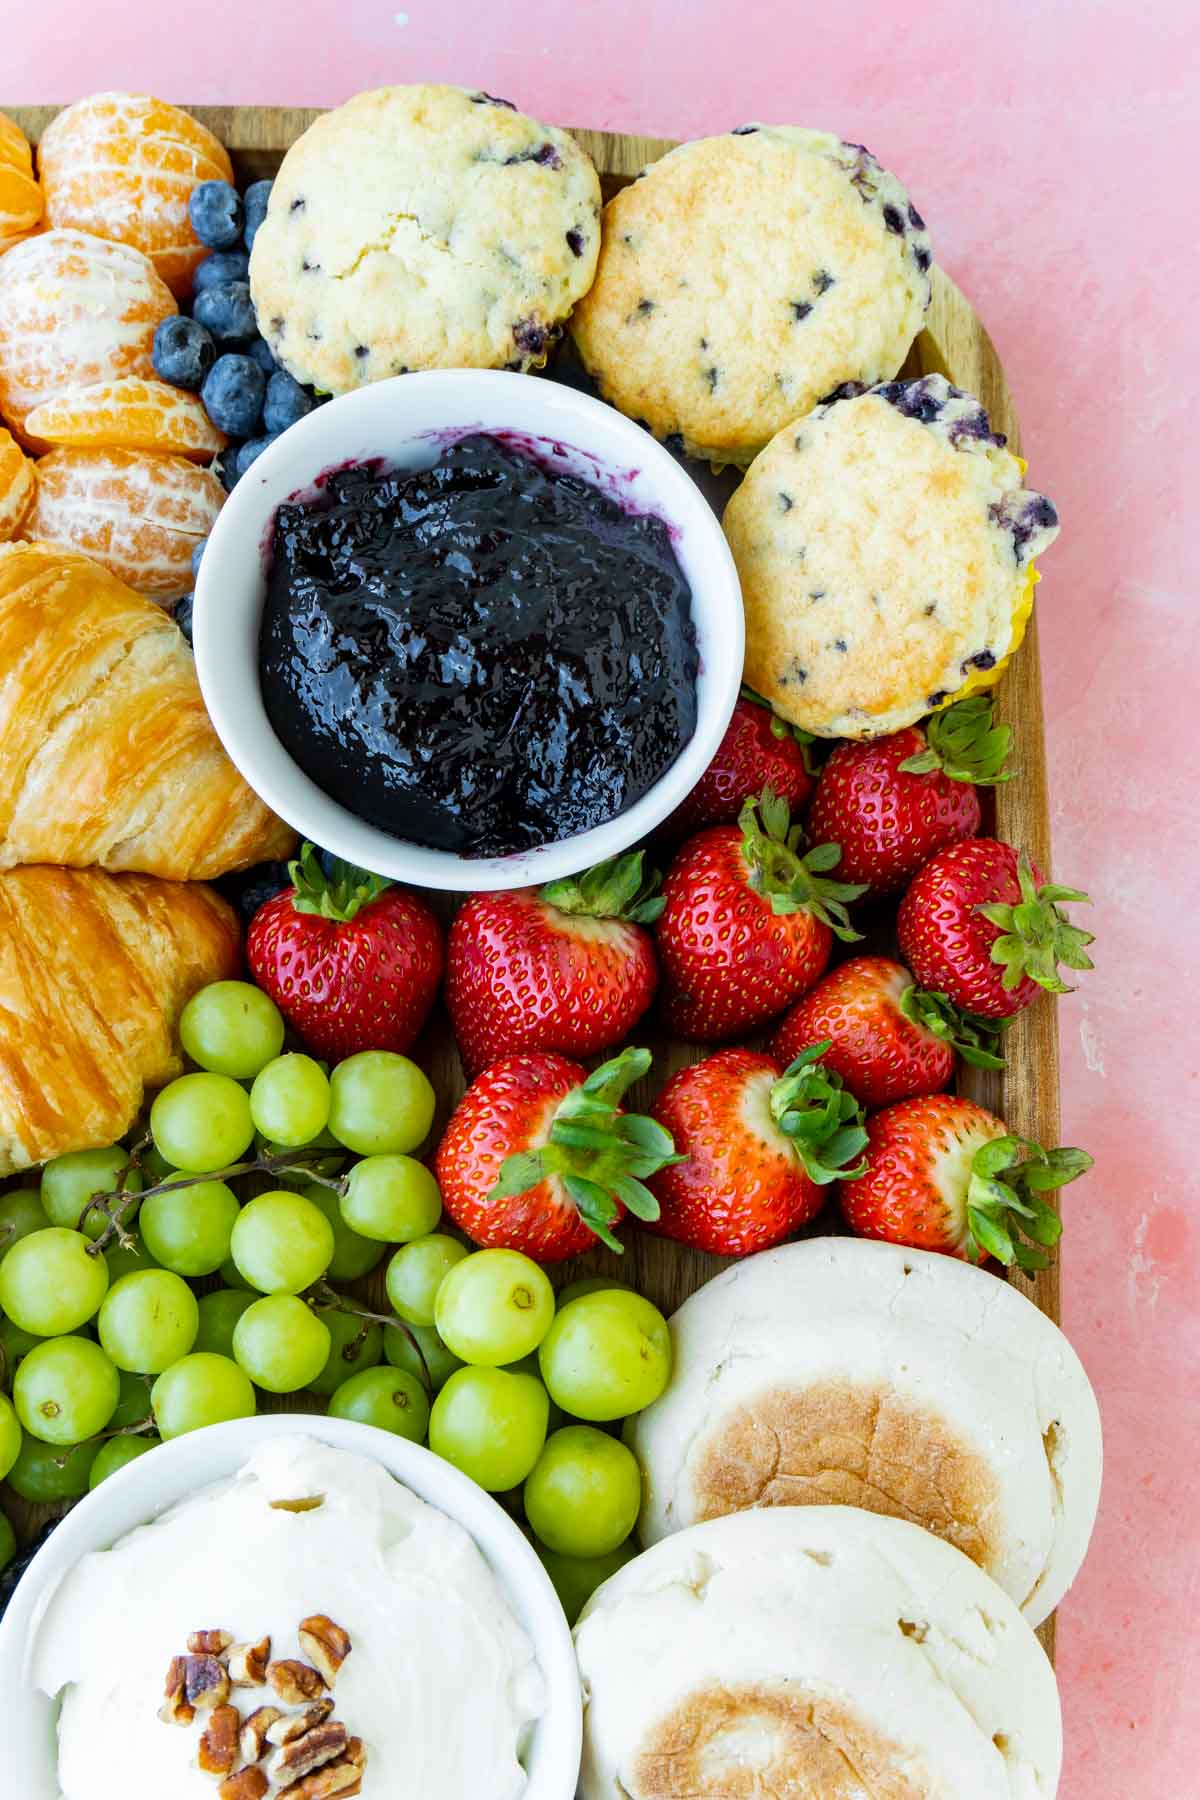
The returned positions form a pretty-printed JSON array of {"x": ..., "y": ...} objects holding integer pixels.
[{"x": 953, "y": 343}]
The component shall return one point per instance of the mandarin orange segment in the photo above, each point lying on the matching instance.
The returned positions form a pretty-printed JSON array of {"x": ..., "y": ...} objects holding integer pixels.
[
  {"x": 130, "y": 414},
  {"x": 20, "y": 195},
  {"x": 14, "y": 146},
  {"x": 74, "y": 310},
  {"x": 123, "y": 166},
  {"x": 16, "y": 486},
  {"x": 139, "y": 514}
]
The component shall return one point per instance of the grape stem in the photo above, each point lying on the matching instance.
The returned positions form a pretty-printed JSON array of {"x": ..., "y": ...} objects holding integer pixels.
[
  {"x": 117, "y": 1204},
  {"x": 322, "y": 1295}
]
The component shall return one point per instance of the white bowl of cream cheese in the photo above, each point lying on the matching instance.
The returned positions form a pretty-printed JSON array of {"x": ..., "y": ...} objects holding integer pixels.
[{"x": 460, "y": 1680}]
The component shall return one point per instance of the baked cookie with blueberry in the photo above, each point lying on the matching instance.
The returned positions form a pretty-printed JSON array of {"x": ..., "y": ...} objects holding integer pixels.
[
  {"x": 423, "y": 228},
  {"x": 886, "y": 546},
  {"x": 745, "y": 278}
]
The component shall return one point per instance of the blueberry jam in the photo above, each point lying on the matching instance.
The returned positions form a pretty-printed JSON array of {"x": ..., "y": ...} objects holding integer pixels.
[{"x": 480, "y": 657}]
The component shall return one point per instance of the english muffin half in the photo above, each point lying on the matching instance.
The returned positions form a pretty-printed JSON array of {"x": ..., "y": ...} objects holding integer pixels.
[{"x": 842, "y": 1370}]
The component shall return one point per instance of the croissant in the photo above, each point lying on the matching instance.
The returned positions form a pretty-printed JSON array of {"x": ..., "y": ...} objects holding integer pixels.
[
  {"x": 107, "y": 756},
  {"x": 94, "y": 972}
]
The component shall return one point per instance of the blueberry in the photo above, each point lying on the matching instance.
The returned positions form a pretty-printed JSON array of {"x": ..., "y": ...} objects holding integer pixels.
[
  {"x": 14, "y": 1570},
  {"x": 183, "y": 615},
  {"x": 216, "y": 214},
  {"x": 263, "y": 355},
  {"x": 285, "y": 403},
  {"x": 251, "y": 450},
  {"x": 227, "y": 312},
  {"x": 252, "y": 888},
  {"x": 183, "y": 352},
  {"x": 197, "y": 554},
  {"x": 233, "y": 395},
  {"x": 222, "y": 266},
  {"x": 255, "y": 200},
  {"x": 225, "y": 467}
]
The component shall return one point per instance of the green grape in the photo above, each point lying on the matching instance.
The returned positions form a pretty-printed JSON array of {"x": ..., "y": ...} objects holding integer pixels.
[
  {"x": 415, "y": 1274},
  {"x": 494, "y": 1307},
  {"x": 355, "y": 1344},
  {"x": 289, "y": 1101},
  {"x": 390, "y": 1399},
  {"x": 134, "y": 1403},
  {"x": 202, "y": 1122},
  {"x": 282, "y": 1243},
  {"x": 606, "y": 1355},
  {"x": 219, "y": 1313},
  {"x": 154, "y": 1164},
  {"x": 380, "y": 1102},
  {"x": 198, "y": 1390},
  {"x": 8, "y": 1541},
  {"x": 584, "y": 1495},
  {"x": 232, "y": 1277},
  {"x": 127, "y": 1261},
  {"x": 188, "y": 1229},
  {"x": 21, "y": 1212},
  {"x": 66, "y": 1390},
  {"x": 576, "y": 1578},
  {"x": 491, "y": 1425},
  {"x": 14, "y": 1344},
  {"x": 46, "y": 1473},
  {"x": 392, "y": 1198},
  {"x": 353, "y": 1256},
  {"x": 10, "y": 1435},
  {"x": 148, "y": 1321},
  {"x": 116, "y": 1452},
  {"x": 589, "y": 1284},
  {"x": 69, "y": 1182},
  {"x": 231, "y": 1028},
  {"x": 440, "y": 1362},
  {"x": 51, "y": 1282},
  {"x": 281, "y": 1343},
  {"x": 306, "y": 1164}
]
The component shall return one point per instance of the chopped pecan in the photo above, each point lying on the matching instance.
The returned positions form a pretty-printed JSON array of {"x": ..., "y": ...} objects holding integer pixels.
[
  {"x": 247, "y": 1663},
  {"x": 209, "y": 1643},
  {"x": 204, "y": 1681},
  {"x": 342, "y": 1778},
  {"x": 325, "y": 1644},
  {"x": 248, "y": 1784},
  {"x": 294, "y": 1682},
  {"x": 254, "y": 1732},
  {"x": 287, "y": 1726},
  {"x": 176, "y": 1708},
  {"x": 218, "y": 1750},
  {"x": 323, "y": 1744}
]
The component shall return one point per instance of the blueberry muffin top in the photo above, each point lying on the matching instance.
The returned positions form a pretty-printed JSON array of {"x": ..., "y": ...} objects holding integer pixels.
[
  {"x": 423, "y": 228},
  {"x": 885, "y": 545},
  {"x": 745, "y": 278}
]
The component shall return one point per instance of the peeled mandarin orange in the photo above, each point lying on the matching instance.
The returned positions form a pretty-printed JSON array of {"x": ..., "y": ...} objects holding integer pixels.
[
  {"x": 74, "y": 310},
  {"x": 139, "y": 514},
  {"x": 123, "y": 166},
  {"x": 16, "y": 486},
  {"x": 129, "y": 414},
  {"x": 20, "y": 195}
]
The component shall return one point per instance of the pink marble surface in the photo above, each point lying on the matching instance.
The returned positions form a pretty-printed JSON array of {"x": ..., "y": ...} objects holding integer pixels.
[{"x": 1051, "y": 144}]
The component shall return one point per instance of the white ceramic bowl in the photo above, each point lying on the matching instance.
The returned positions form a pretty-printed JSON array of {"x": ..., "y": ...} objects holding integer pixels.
[
  {"x": 399, "y": 420},
  {"x": 137, "y": 1493}
]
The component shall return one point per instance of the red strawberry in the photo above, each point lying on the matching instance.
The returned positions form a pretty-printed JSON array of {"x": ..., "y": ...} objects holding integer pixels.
[
  {"x": 760, "y": 1147},
  {"x": 748, "y": 922},
  {"x": 979, "y": 926},
  {"x": 759, "y": 750},
  {"x": 943, "y": 1174},
  {"x": 892, "y": 802},
  {"x": 352, "y": 962},
  {"x": 888, "y": 1040},
  {"x": 539, "y": 1156},
  {"x": 567, "y": 967}
]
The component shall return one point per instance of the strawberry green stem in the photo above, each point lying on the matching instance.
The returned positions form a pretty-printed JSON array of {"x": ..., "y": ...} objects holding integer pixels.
[
  {"x": 617, "y": 889},
  {"x": 976, "y": 1040},
  {"x": 1037, "y": 935},
  {"x": 340, "y": 894},
  {"x": 964, "y": 744},
  {"x": 1009, "y": 1176},
  {"x": 823, "y": 1122},
  {"x": 791, "y": 879},
  {"x": 602, "y": 1156}
]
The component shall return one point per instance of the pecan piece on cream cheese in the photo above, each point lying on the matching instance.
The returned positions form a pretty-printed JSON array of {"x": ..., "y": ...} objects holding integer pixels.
[
  {"x": 299, "y": 1757},
  {"x": 287, "y": 1726},
  {"x": 343, "y": 1778},
  {"x": 209, "y": 1643},
  {"x": 247, "y": 1663},
  {"x": 176, "y": 1708},
  {"x": 294, "y": 1682},
  {"x": 254, "y": 1732},
  {"x": 248, "y": 1784},
  {"x": 325, "y": 1644},
  {"x": 204, "y": 1681},
  {"x": 218, "y": 1750}
]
